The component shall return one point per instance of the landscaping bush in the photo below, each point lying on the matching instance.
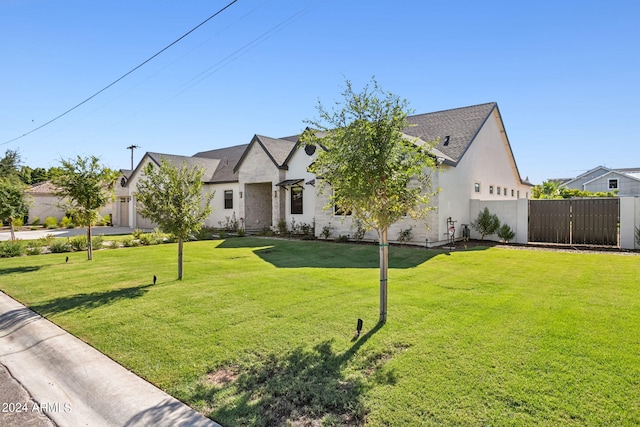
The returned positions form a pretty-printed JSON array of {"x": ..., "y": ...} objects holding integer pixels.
[
  {"x": 18, "y": 222},
  {"x": 405, "y": 235},
  {"x": 130, "y": 242},
  {"x": 148, "y": 239},
  {"x": 35, "y": 221},
  {"x": 326, "y": 231},
  {"x": 505, "y": 233},
  {"x": 78, "y": 243},
  {"x": 60, "y": 246},
  {"x": 638, "y": 235},
  {"x": 137, "y": 233},
  {"x": 359, "y": 231},
  {"x": 112, "y": 244},
  {"x": 47, "y": 240},
  {"x": 486, "y": 223},
  {"x": 342, "y": 239},
  {"x": 66, "y": 222},
  {"x": 97, "y": 241},
  {"x": 11, "y": 248},
  {"x": 50, "y": 222},
  {"x": 34, "y": 247}
]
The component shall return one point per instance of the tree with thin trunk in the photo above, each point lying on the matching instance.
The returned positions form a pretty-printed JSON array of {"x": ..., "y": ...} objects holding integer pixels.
[
  {"x": 172, "y": 198},
  {"x": 13, "y": 203},
  {"x": 86, "y": 186},
  {"x": 369, "y": 167}
]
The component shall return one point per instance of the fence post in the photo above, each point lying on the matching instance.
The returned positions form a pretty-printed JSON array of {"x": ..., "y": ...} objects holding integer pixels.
[{"x": 628, "y": 207}]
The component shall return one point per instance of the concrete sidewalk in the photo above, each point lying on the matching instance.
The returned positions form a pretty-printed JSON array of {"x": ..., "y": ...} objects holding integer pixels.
[{"x": 53, "y": 373}]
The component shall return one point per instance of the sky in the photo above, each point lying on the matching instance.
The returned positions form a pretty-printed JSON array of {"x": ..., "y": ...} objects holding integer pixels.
[{"x": 565, "y": 74}]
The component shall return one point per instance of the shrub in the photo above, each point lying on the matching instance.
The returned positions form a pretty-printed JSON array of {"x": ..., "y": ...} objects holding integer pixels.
[
  {"x": 359, "y": 231},
  {"x": 241, "y": 232},
  {"x": 130, "y": 242},
  {"x": 11, "y": 248},
  {"x": 59, "y": 246},
  {"x": 505, "y": 233},
  {"x": 112, "y": 244},
  {"x": 326, "y": 231},
  {"x": 78, "y": 243},
  {"x": 282, "y": 227},
  {"x": 148, "y": 239},
  {"x": 47, "y": 240},
  {"x": 34, "y": 247},
  {"x": 18, "y": 222},
  {"x": 405, "y": 235},
  {"x": 137, "y": 233},
  {"x": 230, "y": 223},
  {"x": 222, "y": 234},
  {"x": 50, "y": 222},
  {"x": 342, "y": 239},
  {"x": 486, "y": 223},
  {"x": 205, "y": 233},
  {"x": 35, "y": 221},
  {"x": 638, "y": 235},
  {"x": 66, "y": 222},
  {"x": 97, "y": 241}
]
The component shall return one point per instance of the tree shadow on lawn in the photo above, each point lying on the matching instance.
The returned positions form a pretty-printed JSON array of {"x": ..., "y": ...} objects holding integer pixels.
[
  {"x": 320, "y": 254},
  {"x": 20, "y": 270},
  {"x": 88, "y": 301},
  {"x": 302, "y": 387}
]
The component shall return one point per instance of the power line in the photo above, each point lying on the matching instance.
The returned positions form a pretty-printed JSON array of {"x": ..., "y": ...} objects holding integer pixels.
[{"x": 124, "y": 75}]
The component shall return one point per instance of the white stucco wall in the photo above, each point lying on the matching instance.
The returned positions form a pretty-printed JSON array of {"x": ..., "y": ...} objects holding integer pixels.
[
  {"x": 514, "y": 213},
  {"x": 298, "y": 165}
]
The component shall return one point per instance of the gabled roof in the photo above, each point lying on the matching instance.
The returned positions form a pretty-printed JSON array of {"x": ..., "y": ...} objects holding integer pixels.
[
  {"x": 209, "y": 165},
  {"x": 277, "y": 149},
  {"x": 582, "y": 175},
  {"x": 229, "y": 158},
  {"x": 45, "y": 187},
  {"x": 456, "y": 128},
  {"x": 614, "y": 173}
]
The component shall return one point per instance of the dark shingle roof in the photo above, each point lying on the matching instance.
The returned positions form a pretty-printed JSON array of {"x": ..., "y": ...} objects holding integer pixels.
[
  {"x": 461, "y": 125},
  {"x": 228, "y": 157},
  {"x": 278, "y": 149},
  {"x": 209, "y": 165}
]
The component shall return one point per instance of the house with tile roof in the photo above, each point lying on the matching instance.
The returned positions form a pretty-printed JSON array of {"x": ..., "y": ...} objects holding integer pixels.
[
  {"x": 267, "y": 181},
  {"x": 603, "y": 179}
]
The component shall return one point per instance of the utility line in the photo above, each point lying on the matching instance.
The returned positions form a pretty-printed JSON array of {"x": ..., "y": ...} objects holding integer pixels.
[{"x": 124, "y": 75}]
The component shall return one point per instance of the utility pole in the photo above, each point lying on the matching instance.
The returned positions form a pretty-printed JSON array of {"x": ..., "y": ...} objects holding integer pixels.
[{"x": 132, "y": 147}]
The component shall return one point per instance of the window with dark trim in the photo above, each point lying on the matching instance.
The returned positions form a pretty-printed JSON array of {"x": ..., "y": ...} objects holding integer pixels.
[
  {"x": 228, "y": 199},
  {"x": 498, "y": 191},
  {"x": 476, "y": 187},
  {"x": 296, "y": 200},
  {"x": 613, "y": 184},
  {"x": 491, "y": 189}
]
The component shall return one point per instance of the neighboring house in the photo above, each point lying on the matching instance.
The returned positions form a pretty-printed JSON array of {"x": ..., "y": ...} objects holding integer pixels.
[
  {"x": 44, "y": 203},
  {"x": 602, "y": 179},
  {"x": 267, "y": 181}
]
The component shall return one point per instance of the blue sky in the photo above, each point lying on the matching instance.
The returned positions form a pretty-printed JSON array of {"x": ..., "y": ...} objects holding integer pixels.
[{"x": 565, "y": 74}]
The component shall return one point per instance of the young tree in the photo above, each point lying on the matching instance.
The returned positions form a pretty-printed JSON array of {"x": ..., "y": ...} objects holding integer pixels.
[
  {"x": 369, "y": 167},
  {"x": 10, "y": 164},
  {"x": 486, "y": 223},
  {"x": 87, "y": 186},
  {"x": 172, "y": 198},
  {"x": 12, "y": 202}
]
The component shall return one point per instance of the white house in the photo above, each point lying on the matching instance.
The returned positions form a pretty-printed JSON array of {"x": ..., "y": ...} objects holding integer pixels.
[
  {"x": 218, "y": 177},
  {"x": 602, "y": 179},
  {"x": 266, "y": 181}
]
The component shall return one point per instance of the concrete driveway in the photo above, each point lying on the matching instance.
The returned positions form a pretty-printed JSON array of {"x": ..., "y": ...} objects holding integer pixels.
[{"x": 64, "y": 232}]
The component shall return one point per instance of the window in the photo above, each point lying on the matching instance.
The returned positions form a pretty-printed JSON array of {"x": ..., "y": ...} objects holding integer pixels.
[
  {"x": 491, "y": 189},
  {"x": 505, "y": 192},
  {"x": 512, "y": 193},
  {"x": 476, "y": 187},
  {"x": 228, "y": 199},
  {"x": 518, "y": 194},
  {"x": 296, "y": 200},
  {"x": 498, "y": 191},
  {"x": 613, "y": 184}
]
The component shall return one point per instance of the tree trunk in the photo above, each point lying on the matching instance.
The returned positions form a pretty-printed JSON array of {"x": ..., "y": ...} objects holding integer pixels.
[
  {"x": 180, "y": 258},
  {"x": 384, "y": 267},
  {"x": 89, "y": 247},
  {"x": 13, "y": 233}
]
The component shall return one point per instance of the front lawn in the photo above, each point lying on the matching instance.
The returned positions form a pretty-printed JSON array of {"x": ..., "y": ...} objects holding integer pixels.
[{"x": 261, "y": 332}]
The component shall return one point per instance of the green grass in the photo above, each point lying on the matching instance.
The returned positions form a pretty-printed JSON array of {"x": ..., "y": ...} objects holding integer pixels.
[{"x": 261, "y": 332}]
